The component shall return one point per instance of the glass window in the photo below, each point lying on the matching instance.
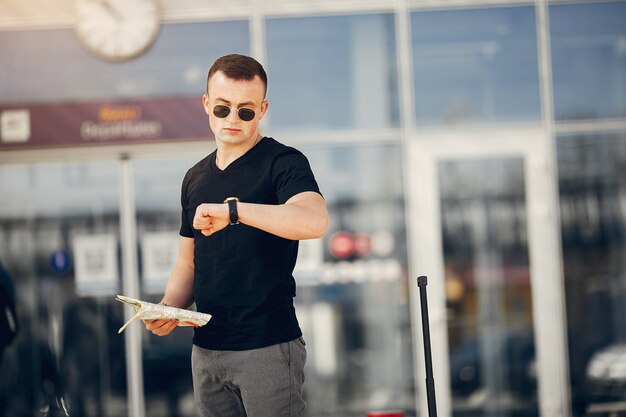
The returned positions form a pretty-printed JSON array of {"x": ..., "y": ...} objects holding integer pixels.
[
  {"x": 488, "y": 287},
  {"x": 592, "y": 189},
  {"x": 336, "y": 72},
  {"x": 166, "y": 364},
  {"x": 352, "y": 300},
  {"x": 313, "y": 4},
  {"x": 59, "y": 230},
  {"x": 588, "y": 44},
  {"x": 50, "y": 65},
  {"x": 475, "y": 66}
]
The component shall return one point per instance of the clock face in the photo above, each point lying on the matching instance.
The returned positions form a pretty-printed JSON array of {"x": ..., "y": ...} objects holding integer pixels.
[{"x": 117, "y": 30}]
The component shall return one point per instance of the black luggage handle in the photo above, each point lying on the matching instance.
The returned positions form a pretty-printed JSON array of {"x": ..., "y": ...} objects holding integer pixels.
[{"x": 430, "y": 381}]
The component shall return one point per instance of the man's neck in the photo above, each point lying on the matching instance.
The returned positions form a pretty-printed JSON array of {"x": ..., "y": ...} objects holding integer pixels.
[{"x": 227, "y": 154}]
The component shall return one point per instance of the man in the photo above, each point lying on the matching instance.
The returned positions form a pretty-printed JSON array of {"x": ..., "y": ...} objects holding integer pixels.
[{"x": 244, "y": 208}]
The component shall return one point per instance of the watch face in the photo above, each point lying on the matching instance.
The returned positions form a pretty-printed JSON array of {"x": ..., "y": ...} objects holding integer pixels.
[{"x": 117, "y": 29}]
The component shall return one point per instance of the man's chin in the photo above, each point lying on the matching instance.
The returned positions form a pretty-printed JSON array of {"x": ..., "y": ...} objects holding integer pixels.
[{"x": 231, "y": 139}]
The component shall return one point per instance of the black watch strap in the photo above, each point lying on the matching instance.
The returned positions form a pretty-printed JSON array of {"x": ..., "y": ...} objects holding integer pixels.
[{"x": 233, "y": 214}]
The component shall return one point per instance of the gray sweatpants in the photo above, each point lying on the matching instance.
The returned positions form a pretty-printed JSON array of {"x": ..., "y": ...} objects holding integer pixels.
[{"x": 265, "y": 382}]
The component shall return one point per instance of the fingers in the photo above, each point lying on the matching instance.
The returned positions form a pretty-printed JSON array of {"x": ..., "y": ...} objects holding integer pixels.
[
  {"x": 206, "y": 221},
  {"x": 202, "y": 219},
  {"x": 214, "y": 226},
  {"x": 160, "y": 327},
  {"x": 201, "y": 224}
]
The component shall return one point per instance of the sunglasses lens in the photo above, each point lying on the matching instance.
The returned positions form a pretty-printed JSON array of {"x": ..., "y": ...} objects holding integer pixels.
[
  {"x": 246, "y": 114},
  {"x": 221, "y": 111}
]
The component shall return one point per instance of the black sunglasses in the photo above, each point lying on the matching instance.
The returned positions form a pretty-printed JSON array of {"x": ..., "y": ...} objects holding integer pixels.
[{"x": 221, "y": 111}]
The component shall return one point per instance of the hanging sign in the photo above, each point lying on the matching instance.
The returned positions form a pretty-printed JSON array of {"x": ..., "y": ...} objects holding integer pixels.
[
  {"x": 60, "y": 261},
  {"x": 159, "y": 251},
  {"x": 96, "y": 264},
  {"x": 69, "y": 124}
]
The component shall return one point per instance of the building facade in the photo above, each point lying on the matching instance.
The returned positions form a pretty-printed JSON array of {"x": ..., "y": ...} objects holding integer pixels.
[{"x": 480, "y": 143}]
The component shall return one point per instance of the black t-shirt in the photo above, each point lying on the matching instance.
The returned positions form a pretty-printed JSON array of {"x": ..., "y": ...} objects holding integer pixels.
[{"x": 243, "y": 275}]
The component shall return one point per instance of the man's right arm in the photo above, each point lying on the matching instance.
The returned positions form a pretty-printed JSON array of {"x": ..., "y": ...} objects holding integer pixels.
[{"x": 179, "y": 289}]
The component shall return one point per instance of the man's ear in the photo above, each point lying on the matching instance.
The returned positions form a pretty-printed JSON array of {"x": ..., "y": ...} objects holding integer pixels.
[
  {"x": 264, "y": 106},
  {"x": 205, "y": 103}
]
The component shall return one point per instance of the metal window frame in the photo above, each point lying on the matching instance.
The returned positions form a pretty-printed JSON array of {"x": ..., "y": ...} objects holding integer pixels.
[{"x": 423, "y": 217}]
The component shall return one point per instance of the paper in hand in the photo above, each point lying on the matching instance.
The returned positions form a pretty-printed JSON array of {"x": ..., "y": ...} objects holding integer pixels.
[{"x": 151, "y": 311}]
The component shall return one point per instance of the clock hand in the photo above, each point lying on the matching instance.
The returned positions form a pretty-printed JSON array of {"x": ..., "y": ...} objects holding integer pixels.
[{"x": 111, "y": 10}]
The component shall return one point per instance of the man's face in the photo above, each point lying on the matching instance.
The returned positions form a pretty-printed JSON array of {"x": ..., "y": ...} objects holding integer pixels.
[{"x": 234, "y": 94}]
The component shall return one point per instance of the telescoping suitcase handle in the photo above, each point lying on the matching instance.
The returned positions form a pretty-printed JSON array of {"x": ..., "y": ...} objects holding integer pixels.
[{"x": 430, "y": 381}]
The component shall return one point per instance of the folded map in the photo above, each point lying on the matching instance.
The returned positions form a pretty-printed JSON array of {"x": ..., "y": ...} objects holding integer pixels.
[{"x": 151, "y": 311}]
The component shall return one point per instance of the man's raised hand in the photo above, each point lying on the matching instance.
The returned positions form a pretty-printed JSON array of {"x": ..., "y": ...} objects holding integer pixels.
[{"x": 210, "y": 218}]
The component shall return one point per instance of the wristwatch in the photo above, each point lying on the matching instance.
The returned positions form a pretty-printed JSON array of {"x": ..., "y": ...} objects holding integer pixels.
[{"x": 233, "y": 215}]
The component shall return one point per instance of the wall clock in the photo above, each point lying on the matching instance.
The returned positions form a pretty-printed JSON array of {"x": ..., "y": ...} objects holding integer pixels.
[{"x": 117, "y": 30}]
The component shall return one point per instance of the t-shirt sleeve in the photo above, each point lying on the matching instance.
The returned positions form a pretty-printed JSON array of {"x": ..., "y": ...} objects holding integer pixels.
[
  {"x": 291, "y": 175},
  {"x": 185, "y": 227}
]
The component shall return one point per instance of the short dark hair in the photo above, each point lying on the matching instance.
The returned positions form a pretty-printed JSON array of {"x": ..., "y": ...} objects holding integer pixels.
[{"x": 238, "y": 67}]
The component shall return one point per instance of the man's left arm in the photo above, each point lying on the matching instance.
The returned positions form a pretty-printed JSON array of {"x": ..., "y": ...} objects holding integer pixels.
[{"x": 303, "y": 216}]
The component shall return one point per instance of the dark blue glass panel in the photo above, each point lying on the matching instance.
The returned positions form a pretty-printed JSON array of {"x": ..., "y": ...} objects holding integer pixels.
[
  {"x": 335, "y": 72},
  {"x": 589, "y": 60},
  {"x": 592, "y": 195},
  {"x": 475, "y": 65}
]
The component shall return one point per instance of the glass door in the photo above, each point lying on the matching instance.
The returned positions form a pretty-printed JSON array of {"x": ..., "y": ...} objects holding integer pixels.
[
  {"x": 483, "y": 230},
  {"x": 59, "y": 241}
]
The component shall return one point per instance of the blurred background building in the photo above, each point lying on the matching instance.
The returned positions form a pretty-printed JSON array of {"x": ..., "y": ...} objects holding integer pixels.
[{"x": 479, "y": 142}]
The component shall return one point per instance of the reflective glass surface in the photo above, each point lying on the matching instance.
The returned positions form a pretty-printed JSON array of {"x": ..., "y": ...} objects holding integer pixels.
[
  {"x": 59, "y": 230},
  {"x": 50, "y": 65},
  {"x": 588, "y": 43},
  {"x": 488, "y": 287},
  {"x": 592, "y": 187},
  {"x": 475, "y": 66},
  {"x": 336, "y": 72},
  {"x": 168, "y": 390},
  {"x": 352, "y": 301}
]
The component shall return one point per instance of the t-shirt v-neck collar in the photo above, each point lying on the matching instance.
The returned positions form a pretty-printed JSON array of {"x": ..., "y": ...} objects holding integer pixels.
[{"x": 236, "y": 162}]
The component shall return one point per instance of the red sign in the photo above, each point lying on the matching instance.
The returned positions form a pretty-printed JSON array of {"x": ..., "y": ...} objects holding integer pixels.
[
  {"x": 341, "y": 245},
  {"x": 362, "y": 244},
  {"x": 109, "y": 122}
]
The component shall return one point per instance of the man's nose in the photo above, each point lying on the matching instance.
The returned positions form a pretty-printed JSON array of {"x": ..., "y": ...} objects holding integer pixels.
[{"x": 233, "y": 116}]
